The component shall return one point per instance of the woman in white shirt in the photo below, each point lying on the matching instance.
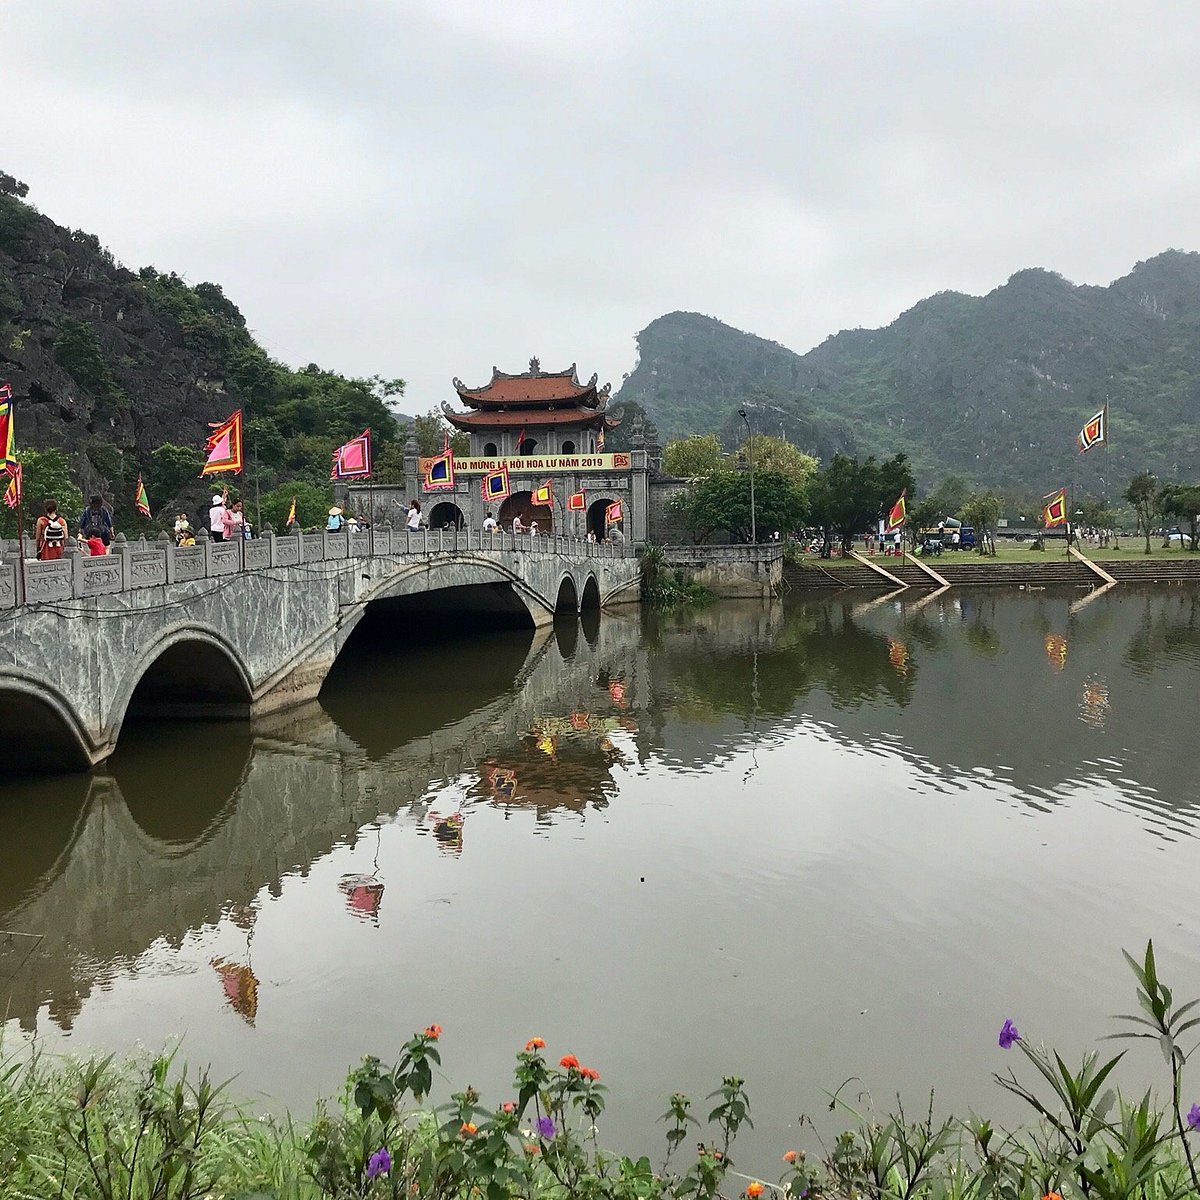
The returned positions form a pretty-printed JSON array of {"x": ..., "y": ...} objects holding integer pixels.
[
  {"x": 414, "y": 516},
  {"x": 517, "y": 526}
]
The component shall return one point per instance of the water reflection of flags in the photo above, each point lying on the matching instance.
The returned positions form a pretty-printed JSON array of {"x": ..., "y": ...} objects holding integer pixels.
[
  {"x": 240, "y": 985},
  {"x": 1094, "y": 432},
  {"x": 503, "y": 782},
  {"x": 898, "y": 513},
  {"x": 898, "y": 655},
  {"x": 141, "y": 501},
  {"x": 439, "y": 475},
  {"x": 1056, "y": 650},
  {"x": 1093, "y": 704},
  {"x": 224, "y": 446},
  {"x": 364, "y": 895},
  {"x": 495, "y": 484},
  {"x": 448, "y": 831},
  {"x": 1054, "y": 511},
  {"x": 353, "y": 460}
]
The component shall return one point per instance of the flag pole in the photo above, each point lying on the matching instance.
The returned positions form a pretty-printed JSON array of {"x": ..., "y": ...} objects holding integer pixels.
[{"x": 21, "y": 538}]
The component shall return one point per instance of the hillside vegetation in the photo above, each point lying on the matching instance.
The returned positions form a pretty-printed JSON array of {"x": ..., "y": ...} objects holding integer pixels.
[
  {"x": 994, "y": 387},
  {"x": 110, "y": 366}
]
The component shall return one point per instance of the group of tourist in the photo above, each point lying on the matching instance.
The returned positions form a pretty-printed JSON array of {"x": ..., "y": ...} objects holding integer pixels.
[{"x": 93, "y": 530}]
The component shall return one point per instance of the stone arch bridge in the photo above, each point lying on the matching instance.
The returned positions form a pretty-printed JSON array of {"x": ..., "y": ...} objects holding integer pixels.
[{"x": 225, "y": 630}]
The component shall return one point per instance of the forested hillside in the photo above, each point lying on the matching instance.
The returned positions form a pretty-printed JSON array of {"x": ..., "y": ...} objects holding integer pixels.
[
  {"x": 124, "y": 370},
  {"x": 993, "y": 388}
]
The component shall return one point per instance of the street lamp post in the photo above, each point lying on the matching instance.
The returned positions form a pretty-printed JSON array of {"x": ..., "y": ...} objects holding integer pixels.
[{"x": 753, "y": 513}]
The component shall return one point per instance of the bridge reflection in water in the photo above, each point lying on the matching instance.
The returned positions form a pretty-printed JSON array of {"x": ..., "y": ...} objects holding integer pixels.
[{"x": 794, "y": 761}]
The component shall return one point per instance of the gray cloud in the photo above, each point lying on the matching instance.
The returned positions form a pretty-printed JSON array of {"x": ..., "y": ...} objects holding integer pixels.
[{"x": 429, "y": 188}]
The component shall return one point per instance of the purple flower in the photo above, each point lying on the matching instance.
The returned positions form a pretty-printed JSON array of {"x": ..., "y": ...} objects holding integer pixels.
[
  {"x": 380, "y": 1163},
  {"x": 545, "y": 1127},
  {"x": 1008, "y": 1035},
  {"x": 1193, "y": 1117}
]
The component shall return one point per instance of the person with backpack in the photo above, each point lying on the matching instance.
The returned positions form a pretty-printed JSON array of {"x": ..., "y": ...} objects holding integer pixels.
[
  {"x": 50, "y": 534},
  {"x": 97, "y": 521}
]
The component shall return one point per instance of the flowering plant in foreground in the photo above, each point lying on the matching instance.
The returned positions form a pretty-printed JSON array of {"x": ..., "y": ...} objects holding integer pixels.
[{"x": 92, "y": 1130}]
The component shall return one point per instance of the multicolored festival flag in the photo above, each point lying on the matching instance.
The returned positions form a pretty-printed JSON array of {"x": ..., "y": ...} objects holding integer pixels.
[
  {"x": 495, "y": 485},
  {"x": 613, "y": 513},
  {"x": 291, "y": 517},
  {"x": 439, "y": 477},
  {"x": 898, "y": 514},
  {"x": 224, "y": 447},
  {"x": 1094, "y": 432},
  {"x": 140, "y": 500},
  {"x": 544, "y": 494},
  {"x": 577, "y": 501},
  {"x": 1054, "y": 511},
  {"x": 7, "y": 448},
  {"x": 12, "y": 493},
  {"x": 600, "y": 442},
  {"x": 353, "y": 460}
]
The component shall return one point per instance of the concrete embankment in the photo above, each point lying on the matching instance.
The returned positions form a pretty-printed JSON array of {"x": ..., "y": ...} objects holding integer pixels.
[{"x": 972, "y": 571}]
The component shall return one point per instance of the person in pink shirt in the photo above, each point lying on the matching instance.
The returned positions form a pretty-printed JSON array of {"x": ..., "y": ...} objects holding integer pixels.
[{"x": 234, "y": 520}]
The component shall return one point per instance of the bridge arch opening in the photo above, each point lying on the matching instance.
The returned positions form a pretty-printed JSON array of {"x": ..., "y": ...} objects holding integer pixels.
[
  {"x": 447, "y": 516},
  {"x": 38, "y": 738},
  {"x": 521, "y": 504},
  {"x": 567, "y": 600},
  {"x": 591, "y": 594},
  {"x": 192, "y": 678}
]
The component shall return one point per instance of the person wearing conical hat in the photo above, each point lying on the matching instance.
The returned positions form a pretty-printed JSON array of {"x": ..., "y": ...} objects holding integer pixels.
[{"x": 336, "y": 520}]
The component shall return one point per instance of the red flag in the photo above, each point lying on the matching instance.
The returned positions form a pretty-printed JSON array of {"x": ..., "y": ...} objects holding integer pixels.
[
  {"x": 520, "y": 439},
  {"x": 353, "y": 460},
  {"x": 224, "y": 446},
  {"x": 898, "y": 513},
  {"x": 12, "y": 493},
  {"x": 577, "y": 501}
]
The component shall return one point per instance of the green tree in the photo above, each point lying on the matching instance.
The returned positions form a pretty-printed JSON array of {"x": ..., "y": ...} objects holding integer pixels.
[
  {"x": 691, "y": 457},
  {"x": 1142, "y": 493},
  {"x": 172, "y": 478},
  {"x": 776, "y": 454},
  {"x": 77, "y": 351},
  {"x": 849, "y": 497},
  {"x": 45, "y": 475},
  {"x": 982, "y": 510},
  {"x": 1182, "y": 502},
  {"x": 721, "y": 500},
  {"x": 313, "y": 502}
]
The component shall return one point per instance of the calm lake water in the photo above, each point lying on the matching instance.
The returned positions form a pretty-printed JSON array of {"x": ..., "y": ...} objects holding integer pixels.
[{"x": 823, "y": 839}]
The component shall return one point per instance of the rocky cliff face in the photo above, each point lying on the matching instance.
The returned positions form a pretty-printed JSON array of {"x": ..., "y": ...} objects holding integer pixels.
[{"x": 97, "y": 363}]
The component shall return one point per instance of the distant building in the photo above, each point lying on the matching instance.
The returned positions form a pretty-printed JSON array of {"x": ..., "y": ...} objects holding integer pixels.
[{"x": 544, "y": 427}]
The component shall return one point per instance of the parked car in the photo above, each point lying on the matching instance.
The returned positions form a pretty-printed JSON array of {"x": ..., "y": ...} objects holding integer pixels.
[{"x": 1176, "y": 537}]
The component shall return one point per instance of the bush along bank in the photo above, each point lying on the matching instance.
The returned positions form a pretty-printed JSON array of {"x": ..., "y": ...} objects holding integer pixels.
[
  {"x": 96, "y": 1130},
  {"x": 664, "y": 587}
]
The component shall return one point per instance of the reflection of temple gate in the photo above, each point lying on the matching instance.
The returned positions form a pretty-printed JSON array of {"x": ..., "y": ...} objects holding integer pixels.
[
  {"x": 595, "y": 517},
  {"x": 521, "y": 504},
  {"x": 447, "y": 516}
]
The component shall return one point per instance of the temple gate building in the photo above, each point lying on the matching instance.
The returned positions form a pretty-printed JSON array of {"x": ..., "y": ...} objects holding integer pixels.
[{"x": 545, "y": 427}]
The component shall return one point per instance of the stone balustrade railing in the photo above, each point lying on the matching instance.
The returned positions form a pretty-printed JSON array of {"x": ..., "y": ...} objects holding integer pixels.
[{"x": 130, "y": 566}]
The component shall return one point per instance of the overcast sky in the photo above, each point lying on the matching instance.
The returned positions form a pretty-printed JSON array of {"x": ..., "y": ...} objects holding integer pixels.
[{"x": 426, "y": 188}]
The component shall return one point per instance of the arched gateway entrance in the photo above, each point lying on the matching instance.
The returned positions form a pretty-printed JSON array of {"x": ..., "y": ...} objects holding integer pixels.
[
  {"x": 447, "y": 516},
  {"x": 596, "y": 517},
  {"x": 521, "y": 504}
]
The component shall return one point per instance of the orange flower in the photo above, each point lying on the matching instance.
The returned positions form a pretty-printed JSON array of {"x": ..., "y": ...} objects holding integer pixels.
[
  {"x": 508, "y": 1106},
  {"x": 467, "y": 1129},
  {"x": 433, "y": 1032},
  {"x": 588, "y": 1073},
  {"x": 535, "y": 1043},
  {"x": 790, "y": 1156},
  {"x": 569, "y": 1062},
  {"x": 1051, "y": 1196},
  {"x": 754, "y": 1189},
  {"x": 530, "y": 1148}
]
